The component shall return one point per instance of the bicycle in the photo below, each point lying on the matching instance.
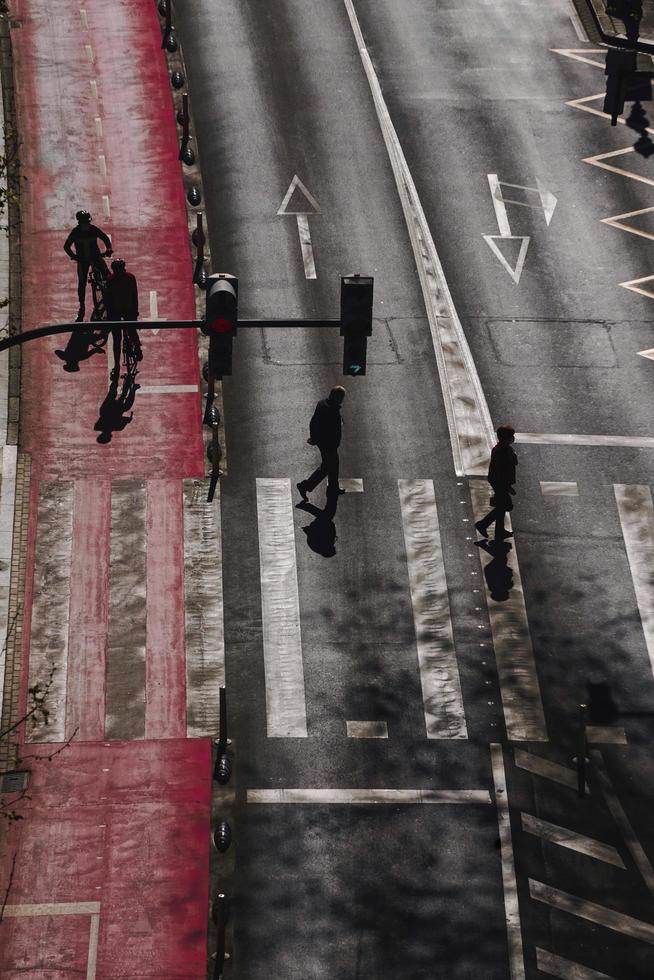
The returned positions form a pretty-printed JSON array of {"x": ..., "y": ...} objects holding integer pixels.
[{"x": 131, "y": 345}]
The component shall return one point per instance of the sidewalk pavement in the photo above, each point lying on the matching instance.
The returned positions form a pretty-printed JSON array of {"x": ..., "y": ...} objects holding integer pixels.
[{"x": 106, "y": 874}]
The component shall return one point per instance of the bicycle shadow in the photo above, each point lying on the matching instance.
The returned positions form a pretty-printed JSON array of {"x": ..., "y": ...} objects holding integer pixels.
[
  {"x": 112, "y": 416},
  {"x": 81, "y": 345}
]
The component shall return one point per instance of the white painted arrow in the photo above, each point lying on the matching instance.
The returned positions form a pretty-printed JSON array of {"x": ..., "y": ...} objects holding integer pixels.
[
  {"x": 302, "y": 217},
  {"x": 154, "y": 310},
  {"x": 547, "y": 204}
]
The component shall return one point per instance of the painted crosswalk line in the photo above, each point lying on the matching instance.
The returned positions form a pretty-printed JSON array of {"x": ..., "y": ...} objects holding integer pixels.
[
  {"x": 374, "y": 796},
  {"x": 571, "y": 839},
  {"x": 286, "y": 715},
  {"x": 637, "y": 521},
  {"x": 439, "y": 672},
  {"x": 509, "y": 881},
  {"x": 601, "y": 915},
  {"x": 516, "y": 667},
  {"x": 543, "y": 767},
  {"x": 366, "y": 729},
  {"x": 558, "y": 966}
]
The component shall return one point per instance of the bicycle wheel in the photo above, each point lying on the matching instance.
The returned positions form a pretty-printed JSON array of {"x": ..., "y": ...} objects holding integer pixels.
[{"x": 97, "y": 290}]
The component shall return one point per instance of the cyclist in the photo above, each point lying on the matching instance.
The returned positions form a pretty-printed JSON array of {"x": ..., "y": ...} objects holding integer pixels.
[
  {"x": 122, "y": 301},
  {"x": 87, "y": 253}
]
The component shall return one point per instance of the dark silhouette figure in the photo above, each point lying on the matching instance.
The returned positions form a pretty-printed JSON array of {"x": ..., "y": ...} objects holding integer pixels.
[
  {"x": 80, "y": 347},
  {"x": 86, "y": 252},
  {"x": 112, "y": 417},
  {"x": 498, "y": 575},
  {"x": 639, "y": 122},
  {"x": 602, "y": 708},
  {"x": 501, "y": 476},
  {"x": 321, "y": 533},
  {"x": 122, "y": 303},
  {"x": 325, "y": 433}
]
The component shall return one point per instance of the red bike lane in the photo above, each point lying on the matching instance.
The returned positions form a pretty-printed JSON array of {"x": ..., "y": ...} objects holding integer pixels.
[{"x": 107, "y": 872}]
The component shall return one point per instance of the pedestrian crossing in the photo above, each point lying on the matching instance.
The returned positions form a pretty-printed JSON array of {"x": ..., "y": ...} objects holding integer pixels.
[{"x": 127, "y": 631}]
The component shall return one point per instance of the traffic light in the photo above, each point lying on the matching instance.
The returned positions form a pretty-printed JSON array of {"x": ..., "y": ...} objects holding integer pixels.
[
  {"x": 620, "y": 65},
  {"x": 356, "y": 321},
  {"x": 221, "y": 322}
]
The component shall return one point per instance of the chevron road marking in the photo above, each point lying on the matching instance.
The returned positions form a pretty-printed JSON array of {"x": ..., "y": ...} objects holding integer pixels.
[
  {"x": 592, "y": 912},
  {"x": 571, "y": 839},
  {"x": 616, "y": 222},
  {"x": 581, "y": 54}
]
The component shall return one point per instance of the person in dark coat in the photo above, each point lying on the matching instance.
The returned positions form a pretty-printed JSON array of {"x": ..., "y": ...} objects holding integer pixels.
[
  {"x": 501, "y": 476},
  {"x": 122, "y": 299},
  {"x": 325, "y": 433},
  {"x": 86, "y": 252}
]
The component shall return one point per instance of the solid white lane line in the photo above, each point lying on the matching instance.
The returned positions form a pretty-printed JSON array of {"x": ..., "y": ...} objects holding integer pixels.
[
  {"x": 511, "y": 905},
  {"x": 166, "y": 389},
  {"x": 203, "y": 609},
  {"x": 617, "y": 812},
  {"x": 351, "y": 485},
  {"x": 558, "y": 966},
  {"x": 439, "y": 672},
  {"x": 468, "y": 418},
  {"x": 558, "y": 489},
  {"x": 516, "y": 667},
  {"x": 51, "y": 607},
  {"x": 53, "y": 908},
  {"x": 571, "y": 839},
  {"x": 637, "y": 520},
  {"x": 554, "y": 439},
  {"x": 376, "y": 796},
  {"x": 280, "y": 609},
  {"x": 7, "y": 506},
  {"x": 366, "y": 729},
  {"x": 607, "y": 734},
  {"x": 599, "y": 914},
  {"x": 94, "y": 933},
  {"x": 543, "y": 767},
  {"x": 305, "y": 245}
]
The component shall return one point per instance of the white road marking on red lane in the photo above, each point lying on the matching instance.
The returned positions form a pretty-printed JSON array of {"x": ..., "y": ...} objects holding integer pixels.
[
  {"x": 571, "y": 839},
  {"x": 166, "y": 389},
  {"x": 84, "y": 19},
  {"x": 617, "y": 812},
  {"x": 66, "y": 908},
  {"x": 203, "y": 609},
  {"x": 376, "y": 796},
  {"x": 7, "y": 505},
  {"x": 511, "y": 905},
  {"x": 102, "y": 161},
  {"x": 94, "y": 88},
  {"x": 468, "y": 418},
  {"x": 592, "y": 912},
  {"x": 51, "y": 606},
  {"x": 516, "y": 666},
  {"x": 105, "y": 206},
  {"x": 366, "y": 729},
  {"x": 439, "y": 672},
  {"x": 286, "y": 711},
  {"x": 637, "y": 521},
  {"x": 558, "y": 966},
  {"x": 89, "y": 53}
]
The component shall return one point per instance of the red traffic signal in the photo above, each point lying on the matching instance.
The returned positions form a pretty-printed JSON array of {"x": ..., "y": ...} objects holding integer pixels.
[{"x": 221, "y": 315}]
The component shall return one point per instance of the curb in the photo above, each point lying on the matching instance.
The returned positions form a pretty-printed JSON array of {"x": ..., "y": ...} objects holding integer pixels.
[{"x": 606, "y": 26}]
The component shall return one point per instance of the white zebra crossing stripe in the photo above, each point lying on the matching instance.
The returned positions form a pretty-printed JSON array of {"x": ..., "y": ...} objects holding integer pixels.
[
  {"x": 558, "y": 966},
  {"x": 509, "y": 881},
  {"x": 571, "y": 839},
  {"x": 516, "y": 667},
  {"x": 637, "y": 520},
  {"x": 280, "y": 608},
  {"x": 50, "y": 608},
  {"x": 543, "y": 767},
  {"x": 376, "y": 796},
  {"x": 203, "y": 592},
  {"x": 592, "y": 912},
  {"x": 439, "y": 673}
]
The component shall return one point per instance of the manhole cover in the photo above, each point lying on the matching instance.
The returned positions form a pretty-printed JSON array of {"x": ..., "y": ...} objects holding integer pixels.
[{"x": 14, "y": 782}]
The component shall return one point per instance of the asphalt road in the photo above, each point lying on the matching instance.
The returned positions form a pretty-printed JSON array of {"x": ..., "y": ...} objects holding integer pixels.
[{"x": 473, "y": 89}]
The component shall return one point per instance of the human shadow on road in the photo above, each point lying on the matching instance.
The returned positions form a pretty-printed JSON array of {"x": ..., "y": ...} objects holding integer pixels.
[
  {"x": 112, "y": 415},
  {"x": 321, "y": 533},
  {"x": 639, "y": 122},
  {"x": 498, "y": 575},
  {"x": 81, "y": 345}
]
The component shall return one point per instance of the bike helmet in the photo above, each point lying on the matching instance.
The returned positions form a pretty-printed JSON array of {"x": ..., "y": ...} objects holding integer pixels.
[
  {"x": 118, "y": 265},
  {"x": 83, "y": 216}
]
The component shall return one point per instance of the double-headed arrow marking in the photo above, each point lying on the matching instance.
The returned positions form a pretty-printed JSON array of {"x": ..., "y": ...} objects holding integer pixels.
[{"x": 546, "y": 205}]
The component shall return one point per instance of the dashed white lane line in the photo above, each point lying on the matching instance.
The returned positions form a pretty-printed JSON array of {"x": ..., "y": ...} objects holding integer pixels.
[
  {"x": 94, "y": 88},
  {"x": 549, "y": 489},
  {"x": 366, "y": 729},
  {"x": 105, "y": 206},
  {"x": 592, "y": 912},
  {"x": 286, "y": 711},
  {"x": 558, "y": 439},
  {"x": 617, "y": 812},
  {"x": 409, "y": 796},
  {"x": 98, "y": 127},
  {"x": 511, "y": 906},
  {"x": 439, "y": 672},
  {"x": 154, "y": 305},
  {"x": 516, "y": 666},
  {"x": 89, "y": 53},
  {"x": 570, "y": 838},
  {"x": 468, "y": 418},
  {"x": 637, "y": 520},
  {"x": 84, "y": 19},
  {"x": 102, "y": 162},
  {"x": 543, "y": 767},
  {"x": 558, "y": 966}
]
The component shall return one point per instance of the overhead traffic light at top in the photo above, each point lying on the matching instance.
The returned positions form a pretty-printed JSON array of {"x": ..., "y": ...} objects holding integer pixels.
[
  {"x": 356, "y": 321},
  {"x": 221, "y": 321}
]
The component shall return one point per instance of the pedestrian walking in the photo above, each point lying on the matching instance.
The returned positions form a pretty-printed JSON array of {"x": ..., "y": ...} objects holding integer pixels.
[
  {"x": 325, "y": 433},
  {"x": 501, "y": 476}
]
